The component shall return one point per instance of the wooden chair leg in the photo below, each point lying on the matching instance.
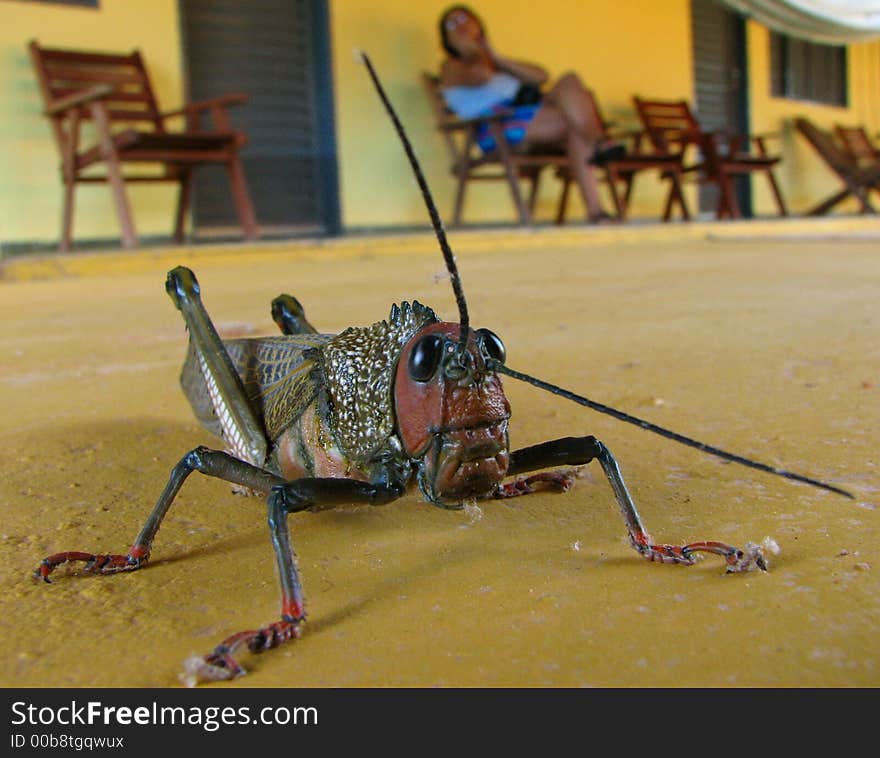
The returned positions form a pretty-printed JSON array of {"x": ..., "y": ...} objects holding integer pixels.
[
  {"x": 66, "y": 241},
  {"x": 503, "y": 148},
  {"x": 242, "y": 199},
  {"x": 613, "y": 177},
  {"x": 670, "y": 199},
  {"x": 828, "y": 204},
  {"x": 534, "y": 184},
  {"x": 727, "y": 201},
  {"x": 114, "y": 174},
  {"x": 676, "y": 195},
  {"x": 862, "y": 194},
  {"x": 458, "y": 207},
  {"x": 629, "y": 179},
  {"x": 183, "y": 200},
  {"x": 562, "y": 208},
  {"x": 783, "y": 211},
  {"x": 120, "y": 199}
]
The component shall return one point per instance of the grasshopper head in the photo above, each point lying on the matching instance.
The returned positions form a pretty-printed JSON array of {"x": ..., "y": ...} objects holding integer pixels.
[{"x": 452, "y": 413}]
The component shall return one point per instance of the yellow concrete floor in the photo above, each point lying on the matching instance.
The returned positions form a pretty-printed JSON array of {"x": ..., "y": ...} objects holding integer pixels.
[{"x": 759, "y": 339}]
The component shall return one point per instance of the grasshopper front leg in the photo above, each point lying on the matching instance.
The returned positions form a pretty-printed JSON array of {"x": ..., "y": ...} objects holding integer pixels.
[{"x": 581, "y": 450}]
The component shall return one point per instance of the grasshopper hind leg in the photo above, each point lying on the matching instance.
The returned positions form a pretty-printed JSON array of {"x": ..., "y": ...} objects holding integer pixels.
[{"x": 290, "y": 316}]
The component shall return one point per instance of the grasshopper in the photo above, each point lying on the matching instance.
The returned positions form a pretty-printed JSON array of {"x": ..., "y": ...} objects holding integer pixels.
[{"x": 315, "y": 421}]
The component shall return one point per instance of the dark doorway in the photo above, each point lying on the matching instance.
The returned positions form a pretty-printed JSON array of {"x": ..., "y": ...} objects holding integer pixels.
[
  {"x": 721, "y": 78},
  {"x": 278, "y": 52}
]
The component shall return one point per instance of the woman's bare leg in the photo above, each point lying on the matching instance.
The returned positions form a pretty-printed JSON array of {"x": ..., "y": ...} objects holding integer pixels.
[
  {"x": 550, "y": 125},
  {"x": 570, "y": 96}
]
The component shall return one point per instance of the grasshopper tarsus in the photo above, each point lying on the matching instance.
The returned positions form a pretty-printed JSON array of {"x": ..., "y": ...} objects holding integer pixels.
[
  {"x": 221, "y": 663},
  {"x": 95, "y": 563}
]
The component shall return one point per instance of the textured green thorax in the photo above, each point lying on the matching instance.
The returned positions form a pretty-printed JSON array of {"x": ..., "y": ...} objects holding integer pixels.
[{"x": 358, "y": 367}]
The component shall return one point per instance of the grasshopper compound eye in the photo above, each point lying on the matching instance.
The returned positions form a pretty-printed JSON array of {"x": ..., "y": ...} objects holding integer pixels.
[
  {"x": 491, "y": 345},
  {"x": 425, "y": 357}
]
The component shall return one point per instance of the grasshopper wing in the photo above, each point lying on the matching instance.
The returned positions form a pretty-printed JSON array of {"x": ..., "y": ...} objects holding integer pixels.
[{"x": 278, "y": 375}]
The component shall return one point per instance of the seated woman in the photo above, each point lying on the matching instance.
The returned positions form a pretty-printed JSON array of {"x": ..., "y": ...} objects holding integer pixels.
[{"x": 477, "y": 81}]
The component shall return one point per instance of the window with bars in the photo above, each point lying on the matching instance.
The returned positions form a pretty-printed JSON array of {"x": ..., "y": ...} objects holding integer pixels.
[{"x": 802, "y": 70}]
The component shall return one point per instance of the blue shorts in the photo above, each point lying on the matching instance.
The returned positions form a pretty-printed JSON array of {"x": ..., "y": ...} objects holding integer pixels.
[{"x": 514, "y": 125}]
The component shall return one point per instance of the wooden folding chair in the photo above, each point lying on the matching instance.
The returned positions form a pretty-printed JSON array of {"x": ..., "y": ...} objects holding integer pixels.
[
  {"x": 672, "y": 128},
  {"x": 113, "y": 91},
  {"x": 858, "y": 178},
  {"x": 470, "y": 164}
]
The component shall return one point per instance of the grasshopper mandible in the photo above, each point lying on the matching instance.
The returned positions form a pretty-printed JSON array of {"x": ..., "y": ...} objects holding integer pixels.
[{"x": 319, "y": 420}]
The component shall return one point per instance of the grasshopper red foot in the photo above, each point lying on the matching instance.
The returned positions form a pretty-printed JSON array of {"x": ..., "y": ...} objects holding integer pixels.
[
  {"x": 738, "y": 560},
  {"x": 95, "y": 563},
  {"x": 221, "y": 665},
  {"x": 561, "y": 480},
  {"x": 666, "y": 554}
]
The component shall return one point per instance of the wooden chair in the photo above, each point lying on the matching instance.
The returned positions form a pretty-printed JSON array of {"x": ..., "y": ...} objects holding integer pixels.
[
  {"x": 672, "y": 128},
  {"x": 113, "y": 91},
  {"x": 470, "y": 164},
  {"x": 623, "y": 170},
  {"x": 858, "y": 178}
]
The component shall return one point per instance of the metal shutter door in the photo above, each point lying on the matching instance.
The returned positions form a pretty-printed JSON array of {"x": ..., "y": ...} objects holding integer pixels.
[{"x": 276, "y": 51}]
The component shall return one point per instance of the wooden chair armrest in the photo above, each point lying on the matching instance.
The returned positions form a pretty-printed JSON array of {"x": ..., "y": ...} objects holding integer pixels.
[
  {"x": 678, "y": 134},
  {"x": 78, "y": 99},
  {"x": 674, "y": 139},
  {"x": 766, "y": 135},
  {"x": 759, "y": 140},
  {"x": 223, "y": 101}
]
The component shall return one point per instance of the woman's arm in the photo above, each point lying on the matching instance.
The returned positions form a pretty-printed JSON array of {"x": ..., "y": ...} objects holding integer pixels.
[{"x": 529, "y": 73}]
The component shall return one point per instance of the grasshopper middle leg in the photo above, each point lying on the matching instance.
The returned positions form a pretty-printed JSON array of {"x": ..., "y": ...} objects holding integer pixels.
[{"x": 581, "y": 450}]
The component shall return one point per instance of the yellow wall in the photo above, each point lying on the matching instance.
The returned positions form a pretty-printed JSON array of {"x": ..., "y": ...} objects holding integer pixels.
[
  {"x": 30, "y": 185},
  {"x": 619, "y": 49},
  {"x": 803, "y": 176}
]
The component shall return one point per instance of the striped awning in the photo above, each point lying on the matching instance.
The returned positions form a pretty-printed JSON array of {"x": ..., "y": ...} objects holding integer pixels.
[{"x": 836, "y": 22}]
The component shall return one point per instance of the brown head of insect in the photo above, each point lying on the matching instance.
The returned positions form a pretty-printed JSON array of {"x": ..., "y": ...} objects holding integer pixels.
[{"x": 452, "y": 413}]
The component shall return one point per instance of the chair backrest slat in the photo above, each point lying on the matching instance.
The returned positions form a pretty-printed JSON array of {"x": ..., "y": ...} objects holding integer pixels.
[
  {"x": 442, "y": 115},
  {"x": 66, "y": 72},
  {"x": 669, "y": 124},
  {"x": 824, "y": 144},
  {"x": 857, "y": 143}
]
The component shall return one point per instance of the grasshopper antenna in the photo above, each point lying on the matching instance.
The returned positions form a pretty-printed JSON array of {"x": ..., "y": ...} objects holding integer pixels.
[
  {"x": 502, "y": 369},
  {"x": 436, "y": 221},
  {"x": 493, "y": 365}
]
